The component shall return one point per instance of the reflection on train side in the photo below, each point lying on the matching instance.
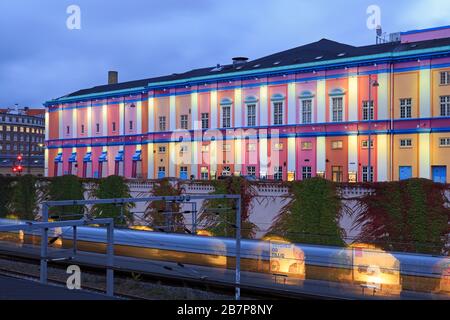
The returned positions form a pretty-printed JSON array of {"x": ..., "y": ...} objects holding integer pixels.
[{"x": 359, "y": 264}]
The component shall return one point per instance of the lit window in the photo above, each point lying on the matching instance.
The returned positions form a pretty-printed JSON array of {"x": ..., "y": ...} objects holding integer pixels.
[
  {"x": 306, "y": 145},
  {"x": 278, "y": 146},
  {"x": 336, "y": 144},
  {"x": 405, "y": 143}
]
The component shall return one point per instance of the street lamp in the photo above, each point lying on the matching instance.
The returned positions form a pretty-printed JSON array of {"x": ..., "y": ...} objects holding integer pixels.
[{"x": 372, "y": 83}]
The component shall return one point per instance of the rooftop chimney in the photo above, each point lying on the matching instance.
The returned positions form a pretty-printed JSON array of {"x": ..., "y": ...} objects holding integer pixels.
[
  {"x": 113, "y": 77},
  {"x": 239, "y": 60}
]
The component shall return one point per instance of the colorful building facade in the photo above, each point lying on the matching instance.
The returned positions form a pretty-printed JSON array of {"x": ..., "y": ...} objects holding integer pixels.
[{"x": 296, "y": 114}]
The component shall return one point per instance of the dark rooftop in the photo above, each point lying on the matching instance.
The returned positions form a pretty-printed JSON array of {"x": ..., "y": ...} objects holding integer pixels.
[{"x": 320, "y": 51}]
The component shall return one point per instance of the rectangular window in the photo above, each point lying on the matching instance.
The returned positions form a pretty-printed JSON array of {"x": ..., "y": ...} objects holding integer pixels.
[
  {"x": 184, "y": 121},
  {"x": 226, "y": 117},
  {"x": 278, "y": 113},
  {"x": 278, "y": 173},
  {"x": 336, "y": 144},
  {"x": 306, "y": 172},
  {"x": 306, "y": 111},
  {"x": 365, "y": 143},
  {"x": 367, "y": 110},
  {"x": 306, "y": 145},
  {"x": 204, "y": 173},
  {"x": 183, "y": 149},
  {"x": 162, "y": 123},
  {"x": 97, "y": 127},
  {"x": 445, "y": 78},
  {"x": 444, "y": 142},
  {"x": 278, "y": 146},
  {"x": 251, "y": 147},
  {"x": 162, "y": 149},
  {"x": 226, "y": 147},
  {"x": 68, "y": 130},
  {"x": 131, "y": 125},
  {"x": 445, "y": 106},
  {"x": 405, "y": 143},
  {"x": 251, "y": 115},
  {"x": 114, "y": 127},
  {"x": 226, "y": 171},
  {"x": 205, "y": 148},
  {"x": 205, "y": 120},
  {"x": 365, "y": 174},
  {"x": 251, "y": 171},
  {"x": 337, "y": 173},
  {"x": 405, "y": 108},
  {"x": 82, "y": 128},
  {"x": 337, "y": 109}
]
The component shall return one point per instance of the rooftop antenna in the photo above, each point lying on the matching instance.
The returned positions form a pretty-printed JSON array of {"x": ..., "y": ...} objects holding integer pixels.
[{"x": 381, "y": 37}]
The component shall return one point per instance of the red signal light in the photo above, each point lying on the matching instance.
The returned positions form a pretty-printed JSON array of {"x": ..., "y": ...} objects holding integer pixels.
[
  {"x": 14, "y": 169},
  {"x": 19, "y": 168},
  {"x": 19, "y": 157}
]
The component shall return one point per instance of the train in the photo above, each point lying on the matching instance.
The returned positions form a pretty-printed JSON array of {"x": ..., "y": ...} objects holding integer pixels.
[{"x": 359, "y": 264}]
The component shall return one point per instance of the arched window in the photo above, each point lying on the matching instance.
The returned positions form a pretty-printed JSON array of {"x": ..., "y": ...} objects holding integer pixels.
[
  {"x": 225, "y": 105},
  {"x": 337, "y": 106},
  {"x": 251, "y": 103},
  {"x": 306, "y": 107},
  {"x": 278, "y": 108}
]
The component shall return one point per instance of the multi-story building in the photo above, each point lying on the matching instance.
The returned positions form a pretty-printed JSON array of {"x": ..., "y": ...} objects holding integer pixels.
[
  {"x": 22, "y": 135},
  {"x": 324, "y": 108}
]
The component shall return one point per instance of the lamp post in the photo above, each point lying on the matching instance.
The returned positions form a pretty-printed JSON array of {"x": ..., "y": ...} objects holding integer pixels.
[{"x": 371, "y": 113}]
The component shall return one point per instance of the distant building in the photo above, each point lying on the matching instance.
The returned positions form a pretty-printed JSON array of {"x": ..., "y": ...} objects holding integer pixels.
[
  {"x": 22, "y": 133},
  {"x": 348, "y": 113}
]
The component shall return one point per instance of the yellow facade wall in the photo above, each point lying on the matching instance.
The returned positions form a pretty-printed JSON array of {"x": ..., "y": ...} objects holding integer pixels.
[
  {"x": 406, "y": 156},
  {"x": 406, "y": 85}
]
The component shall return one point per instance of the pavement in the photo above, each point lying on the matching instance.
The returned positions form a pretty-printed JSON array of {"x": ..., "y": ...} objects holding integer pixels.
[{"x": 22, "y": 289}]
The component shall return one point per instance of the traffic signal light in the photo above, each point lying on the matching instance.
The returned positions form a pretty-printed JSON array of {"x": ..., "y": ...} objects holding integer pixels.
[{"x": 19, "y": 157}]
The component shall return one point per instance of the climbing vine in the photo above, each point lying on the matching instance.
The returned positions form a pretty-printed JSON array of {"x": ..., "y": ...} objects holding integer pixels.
[
  {"x": 312, "y": 215},
  {"x": 409, "y": 215},
  {"x": 110, "y": 188},
  {"x": 218, "y": 216},
  {"x": 165, "y": 215}
]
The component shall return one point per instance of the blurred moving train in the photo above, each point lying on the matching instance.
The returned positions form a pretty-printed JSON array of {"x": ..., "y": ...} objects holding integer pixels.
[{"x": 389, "y": 272}]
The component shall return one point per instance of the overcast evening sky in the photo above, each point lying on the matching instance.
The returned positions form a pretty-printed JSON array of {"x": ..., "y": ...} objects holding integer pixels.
[{"x": 41, "y": 59}]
